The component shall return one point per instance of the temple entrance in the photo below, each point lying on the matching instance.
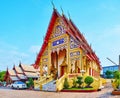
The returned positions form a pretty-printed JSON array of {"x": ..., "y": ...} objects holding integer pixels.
[
  {"x": 63, "y": 70},
  {"x": 58, "y": 61}
]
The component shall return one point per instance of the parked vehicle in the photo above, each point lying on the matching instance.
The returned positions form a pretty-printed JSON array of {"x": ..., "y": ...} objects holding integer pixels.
[{"x": 19, "y": 85}]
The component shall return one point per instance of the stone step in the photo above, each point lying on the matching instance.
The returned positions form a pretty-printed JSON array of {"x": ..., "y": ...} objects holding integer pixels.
[{"x": 51, "y": 86}]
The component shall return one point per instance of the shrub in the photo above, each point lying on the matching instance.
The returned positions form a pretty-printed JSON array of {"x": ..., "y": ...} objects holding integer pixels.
[
  {"x": 66, "y": 84},
  {"x": 89, "y": 80},
  {"x": 30, "y": 83},
  {"x": 79, "y": 81},
  {"x": 74, "y": 83}
]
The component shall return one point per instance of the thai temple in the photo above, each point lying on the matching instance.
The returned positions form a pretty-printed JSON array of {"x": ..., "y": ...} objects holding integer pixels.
[
  {"x": 21, "y": 73},
  {"x": 65, "y": 53}
]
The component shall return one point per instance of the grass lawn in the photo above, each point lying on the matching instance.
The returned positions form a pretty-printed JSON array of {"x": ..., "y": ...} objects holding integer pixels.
[{"x": 79, "y": 89}]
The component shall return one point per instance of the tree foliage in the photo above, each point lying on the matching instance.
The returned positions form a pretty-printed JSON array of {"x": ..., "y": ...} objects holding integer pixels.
[
  {"x": 30, "y": 83},
  {"x": 2, "y": 74},
  {"x": 116, "y": 75},
  {"x": 108, "y": 73}
]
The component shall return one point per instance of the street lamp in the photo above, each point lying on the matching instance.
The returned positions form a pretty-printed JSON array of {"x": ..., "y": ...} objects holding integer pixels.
[{"x": 82, "y": 71}]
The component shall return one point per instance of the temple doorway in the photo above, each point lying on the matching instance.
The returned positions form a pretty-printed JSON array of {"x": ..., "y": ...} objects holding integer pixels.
[{"x": 58, "y": 61}]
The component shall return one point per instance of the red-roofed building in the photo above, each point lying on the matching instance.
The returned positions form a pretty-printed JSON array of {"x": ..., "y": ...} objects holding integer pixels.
[
  {"x": 65, "y": 51},
  {"x": 64, "y": 40}
]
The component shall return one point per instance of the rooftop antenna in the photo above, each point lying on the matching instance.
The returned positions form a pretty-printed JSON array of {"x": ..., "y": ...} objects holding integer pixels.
[{"x": 53, "y": 4}]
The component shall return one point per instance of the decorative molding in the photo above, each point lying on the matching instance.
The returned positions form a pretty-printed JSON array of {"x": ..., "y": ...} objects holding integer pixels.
[
  {"x": 59, "y": 28},
  {"x": 73, "y": 43},
  {"x": 45, "y": 59},
  {"x": 74, "y": 53}
]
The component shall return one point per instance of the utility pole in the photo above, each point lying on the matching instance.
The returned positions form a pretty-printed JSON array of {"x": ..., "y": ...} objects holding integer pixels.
[
  {"x": 111, "y": 61},
  {"x": 114, "y": 62}
]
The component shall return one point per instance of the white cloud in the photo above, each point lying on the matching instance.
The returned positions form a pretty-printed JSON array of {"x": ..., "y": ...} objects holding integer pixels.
[
  {"x": 10, "y": 55},
  {"x": 19, "y": 54},
  {"x": 35, "y": 49}
]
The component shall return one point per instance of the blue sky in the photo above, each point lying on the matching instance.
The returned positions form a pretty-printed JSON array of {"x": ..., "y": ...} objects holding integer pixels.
[{"x": 23, "y": 23}]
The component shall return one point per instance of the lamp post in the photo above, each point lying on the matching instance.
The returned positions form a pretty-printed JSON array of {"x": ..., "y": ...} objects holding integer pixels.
[{"x": 82, "y": 71}]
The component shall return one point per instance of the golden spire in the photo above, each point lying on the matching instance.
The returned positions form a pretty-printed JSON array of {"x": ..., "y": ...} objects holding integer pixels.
[
  {"x": 62, "y": 11},
  {"x": 69, "y": 15},
  {"x": 53, "y": 4}
]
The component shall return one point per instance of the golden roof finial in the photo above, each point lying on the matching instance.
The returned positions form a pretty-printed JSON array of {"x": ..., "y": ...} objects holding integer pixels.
[
  {"x": 69, "y": 15},
  {"x": 53, "y": 4},
  {"x": 19, "y": 62},
  {"x": 62, "y": 11}
]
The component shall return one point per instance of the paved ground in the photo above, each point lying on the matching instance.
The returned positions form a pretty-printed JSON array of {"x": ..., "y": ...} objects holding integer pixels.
[{"x": 7, "y": 93}]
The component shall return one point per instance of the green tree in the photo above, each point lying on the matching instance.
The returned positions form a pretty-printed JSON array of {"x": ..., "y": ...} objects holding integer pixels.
[
  {"x": 2, "y": 74},
  {"x": 66, "y": 84},
  {"x": 89, "y": 80},
  {"x": 30, "y": 83},
  {"x": 79, "y": 81},
  {"x": 116, "y": 75},
  {"x": 108, "y": 73}
]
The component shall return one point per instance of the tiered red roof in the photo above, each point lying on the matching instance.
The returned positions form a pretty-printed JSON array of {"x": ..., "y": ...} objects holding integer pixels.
[{"x": 73, "y": 31}]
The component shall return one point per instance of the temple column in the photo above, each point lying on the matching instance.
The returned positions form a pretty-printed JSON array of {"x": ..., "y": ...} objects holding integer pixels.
[
  {"x": 41, "y": 70},
  {"x": 68, "y": 56},
  {"x": 81, "y": 58},
  {"x": 49, "y": 57}
]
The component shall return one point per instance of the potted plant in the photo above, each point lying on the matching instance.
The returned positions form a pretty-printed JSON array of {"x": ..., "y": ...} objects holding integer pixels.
[{"x": 116, "y": 81}]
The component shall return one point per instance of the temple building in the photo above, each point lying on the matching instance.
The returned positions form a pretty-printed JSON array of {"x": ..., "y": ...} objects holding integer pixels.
[
  {"x": 65, "y": 53},
  {"x": 21, "y": 73}
]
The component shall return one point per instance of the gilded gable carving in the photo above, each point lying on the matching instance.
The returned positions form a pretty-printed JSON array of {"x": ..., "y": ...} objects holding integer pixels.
[
  {"x": 73, "y": 43},
  {"x": 59, "y": 28}
]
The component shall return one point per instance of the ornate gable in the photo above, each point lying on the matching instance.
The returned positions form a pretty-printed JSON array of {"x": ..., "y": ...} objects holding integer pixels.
[
  {"x": 59, "y": 28},
  {"x": 55, "y": 15}
]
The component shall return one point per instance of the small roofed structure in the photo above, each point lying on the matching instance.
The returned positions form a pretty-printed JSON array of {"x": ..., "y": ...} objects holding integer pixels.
[
  {"x": 10, "y": 76},
  {"x": 22, "y": 73},
  {"x": 19, "y": 73},
  {"x": 29, "y": 71}
]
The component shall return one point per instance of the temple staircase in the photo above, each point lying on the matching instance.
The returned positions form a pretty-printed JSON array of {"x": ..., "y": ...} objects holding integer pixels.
[
  {"x": 38, "y": 84},
  {"x": 50, "y": 86}
]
